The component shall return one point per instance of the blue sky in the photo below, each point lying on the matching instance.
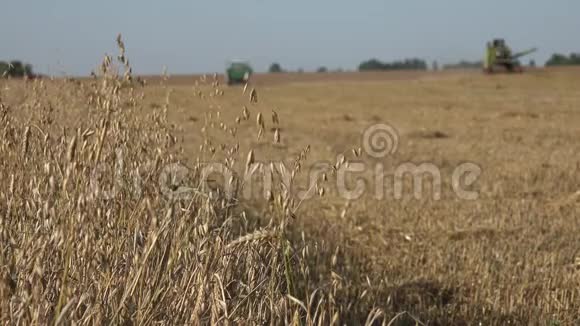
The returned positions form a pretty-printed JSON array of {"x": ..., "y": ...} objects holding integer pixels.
[{"x": 71, "y": 36}]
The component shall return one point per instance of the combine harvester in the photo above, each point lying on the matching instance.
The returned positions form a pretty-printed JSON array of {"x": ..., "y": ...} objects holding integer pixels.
[
  {"x": 499, "y": 57},
  {"x": 238, "y": 72}
]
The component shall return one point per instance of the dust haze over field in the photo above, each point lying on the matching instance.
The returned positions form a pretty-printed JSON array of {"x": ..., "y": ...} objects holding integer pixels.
[{"x": 109, "y": 215}]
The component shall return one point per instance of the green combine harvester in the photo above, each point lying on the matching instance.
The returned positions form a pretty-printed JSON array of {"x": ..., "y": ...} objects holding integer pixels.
[
  {"x": 499, "y": 57},
  {"x": 238, "y": 72}
]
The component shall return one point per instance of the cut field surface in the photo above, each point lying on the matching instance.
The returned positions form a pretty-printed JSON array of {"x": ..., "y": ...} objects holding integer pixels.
[
  {"x": 513, "y": 251},
  {"x": 511, "y": 254}
]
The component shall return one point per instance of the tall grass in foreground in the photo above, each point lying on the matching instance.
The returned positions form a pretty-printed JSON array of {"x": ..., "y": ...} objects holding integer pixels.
[{"x": 88, "y": 238}]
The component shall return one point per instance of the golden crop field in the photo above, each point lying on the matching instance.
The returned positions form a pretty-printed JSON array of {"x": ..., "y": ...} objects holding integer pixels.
[{"x": 184, "y": 201}]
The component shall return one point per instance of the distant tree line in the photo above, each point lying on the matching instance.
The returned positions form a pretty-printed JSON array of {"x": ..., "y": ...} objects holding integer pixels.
[
  {"x": 419, "y": 64},
  {"x": 563, "y": 60},
  {"x": 277, "y": 68},
  {"x": 322, "y": 70},
  {"x": 464, "y": 64},
  {"x": 15, "y": 69},
  {"x": 407, "y": 64}
]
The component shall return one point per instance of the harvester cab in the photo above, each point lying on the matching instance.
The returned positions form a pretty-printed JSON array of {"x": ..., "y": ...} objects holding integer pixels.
[{"x": 499, "y": 56}]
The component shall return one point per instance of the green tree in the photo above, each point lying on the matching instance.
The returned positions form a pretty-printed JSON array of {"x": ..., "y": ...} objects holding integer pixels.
[
  {"x": 558, "y": 59},
  {"x": 372, "y": 64},
  {"x": 15, "y": 68},
  {"x": 322, "y": 69},
  {"x": 275, "y": 68},
  {"x": 3, "y": 68},
  {"x": 575, "y": 58}
]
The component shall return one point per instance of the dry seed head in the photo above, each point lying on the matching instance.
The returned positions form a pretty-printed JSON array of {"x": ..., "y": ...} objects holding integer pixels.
[
  {"x": 297, "y": 166},
  {"x": 275, "y": 117},
  {"x": 255, "y": 236},
  {"x": 339, "y": 162},
  {"x": 261, "y": 126},
  {"x": 269, "y": 196},
  {"x": 334, "y": 258},
  {"x": 11, "y": 187},
  {"x": 277, "y": 136},
  {"x": 245, "y": 113},
  {"x": 250, "y": 159},
  {"x": 120, "y": 42},
  {"x": 70, "y": 156},
  {"x": 253, "y": 96},
  {"x": 87, "y": 134},
  {"x": 26, "y": 140}
]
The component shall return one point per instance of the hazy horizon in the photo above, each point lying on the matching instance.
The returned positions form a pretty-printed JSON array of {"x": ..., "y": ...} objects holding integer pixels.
[{"x": 69, "y": 37}]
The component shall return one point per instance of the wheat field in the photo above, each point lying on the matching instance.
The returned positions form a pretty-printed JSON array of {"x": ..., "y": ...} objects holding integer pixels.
[{"x": 107, "y": 214}]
